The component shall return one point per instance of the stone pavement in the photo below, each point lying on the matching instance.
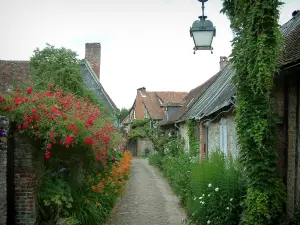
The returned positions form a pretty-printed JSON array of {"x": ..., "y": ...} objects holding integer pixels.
[{"x": 149, "y": 199}]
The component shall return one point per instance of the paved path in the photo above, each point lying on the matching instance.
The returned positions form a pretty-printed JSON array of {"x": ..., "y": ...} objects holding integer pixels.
[{"x": 148, "y": 200}]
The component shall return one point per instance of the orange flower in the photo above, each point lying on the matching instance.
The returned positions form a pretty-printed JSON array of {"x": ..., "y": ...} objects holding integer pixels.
[
  {"x": 94, "y": 188},
  {"x": 87, "y": 201},
  {"x": 116, "y": 190},
  {"x": 97, "y": 204}
]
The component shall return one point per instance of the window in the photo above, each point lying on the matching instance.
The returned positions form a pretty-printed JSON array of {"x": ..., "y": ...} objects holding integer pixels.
[{"x": 223, "y": 136}]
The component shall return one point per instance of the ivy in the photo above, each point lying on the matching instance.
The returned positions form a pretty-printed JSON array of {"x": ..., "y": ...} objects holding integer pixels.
[
  {"x": 139, "y": 129},
  {"x": 256, "y": 46},
  {"x": 194, "y": 141}
]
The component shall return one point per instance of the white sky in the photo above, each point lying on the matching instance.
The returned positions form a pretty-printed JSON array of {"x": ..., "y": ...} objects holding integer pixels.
[{"x": 144, "y": 42}]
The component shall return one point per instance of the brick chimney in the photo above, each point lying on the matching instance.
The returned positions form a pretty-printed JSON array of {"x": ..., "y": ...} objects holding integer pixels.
[
  {"x": 93, "y": 56},
  {"x": 223, "y": 62},
  {"x": 142, "y": 91}
]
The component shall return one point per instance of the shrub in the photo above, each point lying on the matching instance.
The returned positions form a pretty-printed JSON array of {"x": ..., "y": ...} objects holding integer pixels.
[
  {"x": 156, "y": 160},
  {"x": 75, "y": 148},
  {"x": 177, "y": 170},
  {"x": 173, "y": 147},
  {"x": 217, "y": 189}
]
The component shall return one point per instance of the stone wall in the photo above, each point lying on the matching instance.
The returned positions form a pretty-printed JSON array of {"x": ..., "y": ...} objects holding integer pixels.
[
  {"x": 214, "y": 136},
  {"x": 144, "y": 144},
  {"x": 3, "y": 170},
  {"x": 183, "y": 131}
]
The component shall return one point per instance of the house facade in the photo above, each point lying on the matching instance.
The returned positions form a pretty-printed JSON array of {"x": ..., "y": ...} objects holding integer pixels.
[
  {"x": 214, "y": 111},
  {"x": 157, "y": 106}
]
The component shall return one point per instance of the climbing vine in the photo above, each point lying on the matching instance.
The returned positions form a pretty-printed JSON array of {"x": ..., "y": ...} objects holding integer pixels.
[
  {"x": 193, "y": 139},
  {"x": 256, "y": 46}
]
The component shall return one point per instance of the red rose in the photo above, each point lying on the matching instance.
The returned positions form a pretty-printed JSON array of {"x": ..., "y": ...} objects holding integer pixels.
[
  {"x": 49, "y": 146},
  {"x": 48, "y": 93},
  {"x": 47, "y": 155},
  {"x": 69, "y": 140},
  {"x": 29, "y": 90},
  {"x": 34, "y": 111}
]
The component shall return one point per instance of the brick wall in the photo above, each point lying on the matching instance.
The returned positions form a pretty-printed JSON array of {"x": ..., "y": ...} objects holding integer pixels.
[
  {"x": 202, "y": 141},
  {"x": 93, "y": 55},
  {"x": 139, "y": 105},
  {"x": 145, "y": 143},
  {"x": 24, "y": 182},
  {"x": 24, "y": 189},
  {"x": 3, "y": 167}
]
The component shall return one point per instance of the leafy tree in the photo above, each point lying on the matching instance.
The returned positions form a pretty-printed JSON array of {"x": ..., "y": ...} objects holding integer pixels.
[
  {"x": 61, "y": 68},
  {"x": 123, "y": 113}
]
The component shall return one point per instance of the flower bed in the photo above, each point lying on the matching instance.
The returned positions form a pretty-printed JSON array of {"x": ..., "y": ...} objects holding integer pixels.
[{"x": 79, "y": 170}]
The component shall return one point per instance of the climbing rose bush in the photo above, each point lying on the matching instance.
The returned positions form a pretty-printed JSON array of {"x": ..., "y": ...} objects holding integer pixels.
[{"x": 58, "y": 118}]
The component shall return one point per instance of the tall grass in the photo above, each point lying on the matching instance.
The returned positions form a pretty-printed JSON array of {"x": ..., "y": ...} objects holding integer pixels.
[{"x": 217, "y": 189}]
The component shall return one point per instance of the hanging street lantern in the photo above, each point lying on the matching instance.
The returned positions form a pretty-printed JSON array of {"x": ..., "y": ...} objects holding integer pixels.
[{"x": 203, "y": 32}]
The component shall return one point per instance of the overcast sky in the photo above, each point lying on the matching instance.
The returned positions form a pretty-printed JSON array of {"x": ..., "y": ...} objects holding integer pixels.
[{"x": 145, "y": 43}]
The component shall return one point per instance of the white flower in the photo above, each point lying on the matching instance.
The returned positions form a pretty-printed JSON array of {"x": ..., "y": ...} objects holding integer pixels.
[
  {"x": 209, "y": 185},
  {"x": 208, "y": 221},
  {"x": 231, "y": 199},
  {"x": 203, "y": 195},
  {"x": 200, "y": 197},
  {"x": 202, "y": 203},
  {"x": 227, "y": 208},
  {"x": 217, "y": 189},
  {"x": 195, "y": 198},
  {"x": 208, "y": 195}
]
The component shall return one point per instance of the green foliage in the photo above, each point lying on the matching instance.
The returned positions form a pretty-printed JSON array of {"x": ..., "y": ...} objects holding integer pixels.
[
  {"x": 173, "y": 147},
  {"x": 61, "y": 68},
  {"x": 159, "y": 139},
  {"x": 54, "y": 195},
  {"x": 256, "y": 47},
  {"x": 177, "y": 170},
  {"x": 296, "y": 218},
  {"x": 156, "y": 160},
  {"x": 139, "y": 129},
  {"x": 217, "y": 188},
  {"x": 194, "y": 141},
  {"x": 123, "y": 113},
  {"x": 261, "y": 205}
]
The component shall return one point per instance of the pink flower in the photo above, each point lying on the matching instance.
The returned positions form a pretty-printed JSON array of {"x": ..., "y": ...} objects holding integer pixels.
[{"x": 49, "y": 146}]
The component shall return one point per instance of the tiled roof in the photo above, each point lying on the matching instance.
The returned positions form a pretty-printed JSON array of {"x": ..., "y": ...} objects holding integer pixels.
[
  {"x": 171, "y": 97},
  {"x": 291, "y": 33},
  {"x": 191, "y": 98},
  {"x": 13, "y": 72},
  {"x": 153, "y": 105}
]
